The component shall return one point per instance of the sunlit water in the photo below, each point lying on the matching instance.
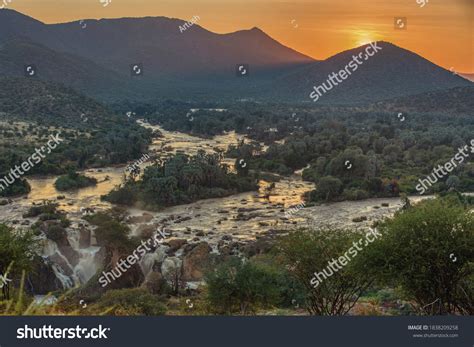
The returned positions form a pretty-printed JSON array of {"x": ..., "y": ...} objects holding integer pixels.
[{"x": 242, "y": 216}]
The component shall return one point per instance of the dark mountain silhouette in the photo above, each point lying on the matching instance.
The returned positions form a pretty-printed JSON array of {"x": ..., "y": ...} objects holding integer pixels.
[
  {"x": 390, "y": 73},
  {"x": 94, "y": 56},
  {"x": 155, "y": 42}
]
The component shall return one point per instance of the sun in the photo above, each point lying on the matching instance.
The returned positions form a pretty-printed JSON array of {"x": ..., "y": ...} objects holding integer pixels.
[{"x": 364, "y": 37}]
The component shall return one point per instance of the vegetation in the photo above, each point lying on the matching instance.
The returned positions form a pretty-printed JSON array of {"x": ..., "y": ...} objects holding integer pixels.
[
  {"x": 93, "y": 135},
  {"x": 16, "y": 255},
  {"x": 236, "y": 287},
  {"x": 19, "y": 187},
  {"x": 74, "y": 181},
  {"x": 305, "y": 253},
  {"x": 132, "y": 302},
  {"x": 428, "y": 250},
  {"x": 180, "y": 180},
  {"x": 371, "y": 152}
]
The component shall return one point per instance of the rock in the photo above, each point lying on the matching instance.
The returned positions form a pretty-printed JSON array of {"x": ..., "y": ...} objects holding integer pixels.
[
  {"x": 196, "y": 261},
  {"x": 61, "y": 263},
  {"x": 242, "y": 209},
  {"x": 200, "y": 233},
  {"x": 84, "y": 238},
  {"x": 3, "y": 202},
  {"x": 226, "y": 238},
  {"x": 42, "y": 279},
  {"x": 146, "y": 231},
  {"x": 175, "y": 244},
  {"x": 183, "y": 219},
  {"x": 155, "y": 283},
  {"x": 259, "y": 246},
  {"x": 385, "y": 204},
  {"x": 144, "y": 218},
  {"x": 60, "y": 197},
  {"x": 359, "y": 219}
]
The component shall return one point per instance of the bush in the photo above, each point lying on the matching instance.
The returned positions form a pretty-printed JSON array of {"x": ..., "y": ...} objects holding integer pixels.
[
  {"x": 16, "y": 254},
  {"x": 428, "y": 250},
  {"x": 355, "y": 194},
  {"x": 19, "y": 187},
  {"x": 73, "y": 181},
  {"x": 236, "y": 287},
  {"x": 328, "y": 189},
  {"x": 135, "y": 301},
  {"x": 306, "y": 252},
  {"x": 35, "y": 211}
]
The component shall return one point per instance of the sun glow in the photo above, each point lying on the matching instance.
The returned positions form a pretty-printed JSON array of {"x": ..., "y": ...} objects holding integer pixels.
[{"x": 364, "y": 37}]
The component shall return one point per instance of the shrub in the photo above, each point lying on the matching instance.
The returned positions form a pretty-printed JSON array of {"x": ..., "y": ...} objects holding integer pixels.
[
  {"x": 328, "y": 189},
  {"x": 16, "y": 253},
  {"x": 306, "y": 252},
  {"x": 428, "y": 250},
  {"x": 355, "y": 194},
  {"x": 35, "y": 211},
  {"x": 73, "y": 181},
  {"x": 135, "y": 301},
  {"x": 236, "y": 287}
]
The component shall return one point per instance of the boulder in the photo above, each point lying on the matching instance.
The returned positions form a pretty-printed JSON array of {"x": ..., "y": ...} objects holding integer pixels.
[
  {"x": 195, "y": 262},
  {"x": 175, "y": 244},
  {"x": 155, "y": 283}
]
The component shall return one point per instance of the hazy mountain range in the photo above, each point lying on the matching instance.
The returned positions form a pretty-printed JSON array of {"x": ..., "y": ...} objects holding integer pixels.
[{"x": 95, "y": 57}]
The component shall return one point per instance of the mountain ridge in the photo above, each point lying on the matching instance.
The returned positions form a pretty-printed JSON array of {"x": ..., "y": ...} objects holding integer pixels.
[{"x": 198, "y": 64}]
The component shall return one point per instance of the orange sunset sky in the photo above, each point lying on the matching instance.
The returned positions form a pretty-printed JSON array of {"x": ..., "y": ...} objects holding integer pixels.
[{"x": 441, "y": 31}]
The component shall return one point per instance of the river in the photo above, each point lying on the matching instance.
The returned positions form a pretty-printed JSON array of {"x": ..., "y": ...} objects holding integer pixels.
[{"x": 243, "y": 216}]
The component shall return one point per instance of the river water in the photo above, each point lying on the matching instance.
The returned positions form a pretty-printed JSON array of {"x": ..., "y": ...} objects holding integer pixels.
[{"x": 242, "y": 216}]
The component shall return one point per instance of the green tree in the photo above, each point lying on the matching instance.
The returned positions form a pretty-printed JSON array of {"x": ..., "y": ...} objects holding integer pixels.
[
  {"x": 328, "y": 189},
  {"x": 305, "y": 253},
  {"x": 428, "y": 250},
  {"x": 242, "y": 287}
]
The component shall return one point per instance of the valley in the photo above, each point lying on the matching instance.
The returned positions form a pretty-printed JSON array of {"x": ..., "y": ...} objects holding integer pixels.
[{"x": 242, "y": 218}]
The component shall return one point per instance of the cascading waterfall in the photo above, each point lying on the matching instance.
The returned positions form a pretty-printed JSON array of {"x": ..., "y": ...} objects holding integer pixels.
[{"x": 87, "y": 266}]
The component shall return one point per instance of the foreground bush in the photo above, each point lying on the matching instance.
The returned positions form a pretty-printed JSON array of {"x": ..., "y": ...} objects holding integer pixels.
[
  {"x": 236, "y": 287},
  {"x": 16, "y": 255},
  {"x": 306, "y": 252},
  {"x": 428, "y": 250},
  {"x": 129, "y": 302}
]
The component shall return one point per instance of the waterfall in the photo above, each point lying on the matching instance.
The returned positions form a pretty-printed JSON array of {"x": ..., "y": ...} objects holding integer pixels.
[{"x": 87, "y": 266}]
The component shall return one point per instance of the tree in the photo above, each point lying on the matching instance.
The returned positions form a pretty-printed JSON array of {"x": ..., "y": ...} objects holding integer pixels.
[
  {"x": 306, "y": 252},
  {"x": 242, "y": 287},
  {"x": 328, "y": 189},
  {"x": 428, "y": 250}
]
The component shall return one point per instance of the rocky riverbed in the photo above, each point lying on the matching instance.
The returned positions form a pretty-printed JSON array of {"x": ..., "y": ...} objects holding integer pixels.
[{"x": 240, "y": 224}]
